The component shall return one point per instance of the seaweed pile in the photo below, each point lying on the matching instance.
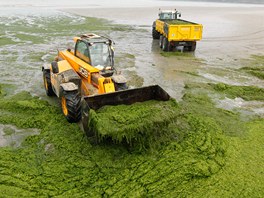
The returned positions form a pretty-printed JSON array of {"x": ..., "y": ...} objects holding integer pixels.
[
  {"x": 146, "y": 122},
  {"x": 177, "y": 22}
]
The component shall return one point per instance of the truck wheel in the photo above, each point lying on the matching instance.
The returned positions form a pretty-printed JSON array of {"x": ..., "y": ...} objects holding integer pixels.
[
  {"x": 192, "y": 47},
  {"x": 155, "y": 33},
  {"x": 47, "y": 83},
  {"x": 161, "y": 41},
  {"x": 71, "y": 105},
  {"x": 165, "y": 45}
]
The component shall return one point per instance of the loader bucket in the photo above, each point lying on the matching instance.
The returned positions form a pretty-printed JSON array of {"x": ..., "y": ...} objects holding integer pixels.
[
  {"x": 130, "y": 96},
  {"x": 127, "y": 97}
]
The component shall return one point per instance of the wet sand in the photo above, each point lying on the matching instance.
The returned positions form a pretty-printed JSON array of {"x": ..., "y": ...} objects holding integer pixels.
[
  {"x": 229, "y": 32},
  {"x": 232, "y": 33}
]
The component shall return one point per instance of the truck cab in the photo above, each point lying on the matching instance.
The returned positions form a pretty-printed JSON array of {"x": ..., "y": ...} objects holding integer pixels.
[{"x": 169, "y": 14}]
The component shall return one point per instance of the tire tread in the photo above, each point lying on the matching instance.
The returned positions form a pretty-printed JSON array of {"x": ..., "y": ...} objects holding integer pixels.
[{"x": 73, "y": 102}]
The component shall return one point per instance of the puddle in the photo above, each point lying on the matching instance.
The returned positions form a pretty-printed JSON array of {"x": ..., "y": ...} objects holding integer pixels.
[
  {"x": 238, "y": 104},
  {"x": 12, "y": 136}
]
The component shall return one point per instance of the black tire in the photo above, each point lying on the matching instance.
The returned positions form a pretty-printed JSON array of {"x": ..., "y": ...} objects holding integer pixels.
[
  {"x": 161, "y": 41},
  {"x": 165, "y": 45},
  {"x": 71, "y": 105},
  {"x": 186, "y": 48},
  {"x": 47, "y": 83},
  {"x": 155, "y": 33},
  {"x": 192, "y": 47}
]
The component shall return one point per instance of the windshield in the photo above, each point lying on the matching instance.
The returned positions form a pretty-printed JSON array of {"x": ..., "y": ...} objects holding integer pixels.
[
  {"x": 99, "y": 53},
  {"x": 167, "y": 15}
]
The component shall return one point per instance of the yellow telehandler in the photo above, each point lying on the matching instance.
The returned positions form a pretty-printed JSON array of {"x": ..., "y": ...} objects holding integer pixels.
[{"x": 85, "y": 78}]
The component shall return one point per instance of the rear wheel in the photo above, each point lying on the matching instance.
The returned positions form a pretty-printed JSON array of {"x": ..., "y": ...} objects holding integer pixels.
[
  {"x": 161, "y": 41},
  {"x": 192, "y": 47},
  {"x": 165, "y": 45},
  {"x": 47, "y": 83},
  {"x": 155, "y": 33},
  {"x": 71, "y": 105}
]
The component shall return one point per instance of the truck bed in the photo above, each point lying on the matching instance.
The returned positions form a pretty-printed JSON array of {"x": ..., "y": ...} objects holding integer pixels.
[
  {"x": 179, "y": 30},
  {"x": 177, "y": 22}
]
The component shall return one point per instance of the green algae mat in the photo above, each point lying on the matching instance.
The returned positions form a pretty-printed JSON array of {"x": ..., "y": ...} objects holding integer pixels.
[
  {"x": 198, "y": 159},
  {"x": 177, "y": 22},
  {"x": 142, "y": 122}
]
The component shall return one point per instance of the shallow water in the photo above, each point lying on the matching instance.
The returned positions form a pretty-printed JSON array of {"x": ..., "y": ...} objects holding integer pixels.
[{"x": 12, "y": 136}]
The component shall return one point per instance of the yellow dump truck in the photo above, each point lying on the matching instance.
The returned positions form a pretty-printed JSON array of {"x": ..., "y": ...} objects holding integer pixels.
[{"x": 172, "y": 31}]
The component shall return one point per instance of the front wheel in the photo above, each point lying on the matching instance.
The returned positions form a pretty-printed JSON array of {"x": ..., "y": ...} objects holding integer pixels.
[
  {"x": 71, "y": 105},
  {"x": 155, "y": 33}
]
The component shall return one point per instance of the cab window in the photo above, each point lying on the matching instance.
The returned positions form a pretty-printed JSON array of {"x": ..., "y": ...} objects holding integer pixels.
[
  {"x": 167, "y": 15},
  {"x": 100, "y": 54},
  {"x": 82, "y": 51}
]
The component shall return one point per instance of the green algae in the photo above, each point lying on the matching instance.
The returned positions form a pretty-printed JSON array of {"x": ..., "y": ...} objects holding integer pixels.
[
  {"x": 246, "y": 92},
  {"x": 177, "y": 54},
  {"x": 255, "y": 71},
  {"x": 61, "y": 162},
  {"x": 203, "y": 106},
  {"x": 242, "y": 175},
  {"x": 8, "y": 131},
  {"x": 177, "y": 22},
  {"x": 256, "y": 66},
  {"x": 143, "y": 122},
  {"x": 201, "y": 161}
]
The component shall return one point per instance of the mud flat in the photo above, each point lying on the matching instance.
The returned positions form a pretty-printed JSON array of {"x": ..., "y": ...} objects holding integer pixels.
[{"x": 230, "y": 30}]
